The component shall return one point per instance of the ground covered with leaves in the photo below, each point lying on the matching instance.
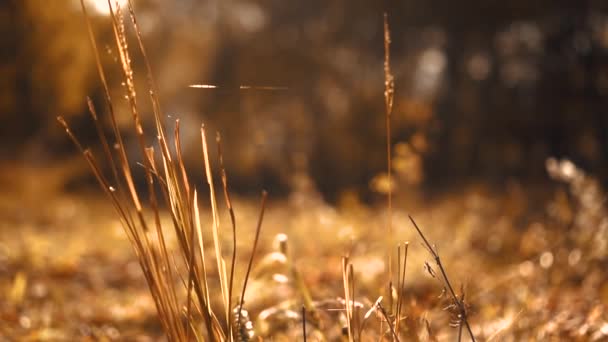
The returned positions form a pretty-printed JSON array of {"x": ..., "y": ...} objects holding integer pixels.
[{"x": 530, "y": 261}]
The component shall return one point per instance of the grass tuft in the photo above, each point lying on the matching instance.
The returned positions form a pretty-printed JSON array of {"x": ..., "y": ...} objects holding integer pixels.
[{"x": 181, "y": 309}]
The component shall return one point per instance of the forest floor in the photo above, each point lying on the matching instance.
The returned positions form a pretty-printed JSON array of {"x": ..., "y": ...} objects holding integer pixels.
[{"x": 67, "y": 271}]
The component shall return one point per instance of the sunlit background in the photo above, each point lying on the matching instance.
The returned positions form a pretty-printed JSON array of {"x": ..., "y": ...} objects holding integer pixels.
[
  {"x": 482, "y": 92},
  {"x": 100, "y": 7}
]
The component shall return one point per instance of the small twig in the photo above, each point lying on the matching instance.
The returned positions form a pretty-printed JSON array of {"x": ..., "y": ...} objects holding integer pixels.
[
  {"x": 460, "y": 331},
  {"x": 348, "y": 301},
  {"x": 400, "y": 284},
  {"x": 304, "y": 322},
  {"x": 388, "y": 322},
  {"x": 459, "y": 302}
]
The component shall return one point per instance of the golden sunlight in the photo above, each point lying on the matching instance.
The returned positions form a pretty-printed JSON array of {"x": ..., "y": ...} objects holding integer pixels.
[{"x": 101, "y": 7}]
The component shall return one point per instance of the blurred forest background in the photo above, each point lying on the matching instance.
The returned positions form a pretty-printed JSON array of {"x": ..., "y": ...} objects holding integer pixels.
[
  {"x": 499, "y": 140},
  {"x": 485, "y": 90}
]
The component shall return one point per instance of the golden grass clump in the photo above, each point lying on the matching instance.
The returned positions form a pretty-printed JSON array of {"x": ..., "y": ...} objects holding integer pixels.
[{"x": 167, "y": 186}]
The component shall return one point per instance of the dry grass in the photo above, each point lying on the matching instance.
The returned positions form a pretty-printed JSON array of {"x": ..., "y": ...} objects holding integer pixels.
[
  {"x": 169, "y": 186},
  {"x": 82, "y": 281}
]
